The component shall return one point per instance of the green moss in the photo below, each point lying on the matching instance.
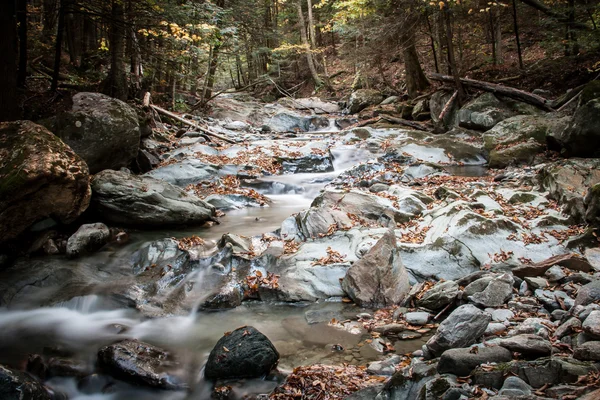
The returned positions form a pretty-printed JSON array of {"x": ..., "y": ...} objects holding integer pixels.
[{"x": 518, "y": 198}]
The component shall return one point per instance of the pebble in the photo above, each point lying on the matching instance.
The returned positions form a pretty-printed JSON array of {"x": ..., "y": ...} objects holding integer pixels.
[{"x": 417, "y": 318}]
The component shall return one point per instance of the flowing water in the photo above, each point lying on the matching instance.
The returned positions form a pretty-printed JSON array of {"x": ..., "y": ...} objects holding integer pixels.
[{"x": 77, "y": 327}]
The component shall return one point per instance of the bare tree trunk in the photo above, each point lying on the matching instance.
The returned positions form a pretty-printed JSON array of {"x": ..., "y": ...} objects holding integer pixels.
[
  {"x": 9, "y": 109},
  {"x": 22, "y": 31},
  {"x": 311, "y": 25},
  {"x": 516, "y": 27},
  {"x": 116, "y": 82},
  {"x": 433, "y": 51},
  {"x": 58, "y": 47},
  {"x": 49, "y": 17},
  {"x": 453, "y": 67},
  {"x": 309, "y": 58},
  {"x": 416, "y": 80}
]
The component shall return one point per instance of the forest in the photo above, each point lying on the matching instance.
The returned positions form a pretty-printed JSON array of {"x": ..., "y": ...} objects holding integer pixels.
[{"x": 299, "y": 199}]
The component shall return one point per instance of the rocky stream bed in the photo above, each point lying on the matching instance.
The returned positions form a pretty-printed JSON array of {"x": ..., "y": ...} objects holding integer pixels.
[{"x": 311, "y": 258}]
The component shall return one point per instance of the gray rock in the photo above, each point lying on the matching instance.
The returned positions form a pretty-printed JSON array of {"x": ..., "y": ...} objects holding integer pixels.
[
  {"x": 143, "y": 201},
  {"x": 588, "y": 351},
  {"x": 527, "y": 344},
  {"x": 483, "y": 113},
  {"x": 570, "y": 326},
  {"x": 379, "y": 279},
  {"x": 588, "y": 294},
  {"x": 495, "y": 328},
  {"x": 186, "y": 172},
  {"x": 439, "y": 296},
  {"x": 55, "y": 185},
  {"x": 536, "y": 283},
  {"x": 378, "y": 187},
  {"x": 462, "y": 361},
  {"x": 461, "y": 329},
  {"x": 593, "y": 257},
  {"x": 515, "y": 386},
  {"x": 550, "y": 299},
  {"x": 363, "y": 98},
  {"x": 555, "y": 274},
  {"x": 591, "y": 325},
  {"x": 244, "y": 353},
  {"x": 142, "y": 364},
  {"x": 104, "y": 131},
  {"x": 88, "y": 238},
  {"x": 583, "y": 130},
  {"x": 478, "y": 285},
  {"x": 497, "y": 292},
  {"x": 418, "y": 318},
  {"x": 288, "y": 122},
  {"x": 501, "y": 315},
  {"x": 236, "y": 125},
  {"x": 592, "y": 204},
  {"x": 16, "y": 385},
  {"x": 386, "y": 367},
  {"x": 390, "y": 100}
]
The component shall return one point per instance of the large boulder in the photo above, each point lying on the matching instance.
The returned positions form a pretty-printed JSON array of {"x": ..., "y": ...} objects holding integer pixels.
[
  {"x": 40, "y": 177},
  {"x": 288, "y": 122},
  {"x": 519, "y": 139},
  {"x": 437, "y": 102},
  {"x": 141, "y": 364},
  {"x": 379, "y": 279},
  {"x": 88, "y": 238},
  {"x": 483, "y": 113},
  {"x": 122, "y": 198},
  {"x": 243, "y": 353},
  {"x": 104, "y": 131},
  {"x": 15, "y": 385},
  {"x": 362, "y": 99},
  {"x": 462, "y": 328},
  {"x": 463, "y": 361}
]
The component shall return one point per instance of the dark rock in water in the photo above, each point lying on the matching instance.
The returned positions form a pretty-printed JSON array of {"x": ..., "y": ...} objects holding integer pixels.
[
  {"x": 462, "y": 362},
  {"x": 123, "y": 198},
  {"x": 15, "y": 385},
  {"x": 379, "y": 279},
  {"x": 243, "y": 353},
  {"x": 104, "y": 131},
  {"x": 344, "y": 123},
  {"x": 88, "y": 238},
  {"x": 288, "y": 122},
  {"x": 228, "y": 296},
  {"x": 141, "y": 364},
  {"x": 40, "y": 177},
  {"x": 312, "y": 163},
  {"x": 461, "y": 329}
]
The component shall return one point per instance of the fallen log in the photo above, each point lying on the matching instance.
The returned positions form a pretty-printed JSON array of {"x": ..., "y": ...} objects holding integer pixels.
[
  {"x": 448, "y": 106},
  {"x": 403, "y": 122},
  {"x": 185, "y": 121},
  {"x": 517, "y": 94},
  {"x": 570, "y": 261}
]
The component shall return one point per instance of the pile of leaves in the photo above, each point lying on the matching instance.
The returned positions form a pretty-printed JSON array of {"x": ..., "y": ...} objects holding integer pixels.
[
  {"x": 227, "y": 185},
  {"x": 332, "y": 257},
  {"x": 254, "y": 157},
  {"x": 258, "y": 280},
  {"x": 187, "y": 243},
  {"x": 324, "y": 382},
  {"x": 290, "y": 247}
]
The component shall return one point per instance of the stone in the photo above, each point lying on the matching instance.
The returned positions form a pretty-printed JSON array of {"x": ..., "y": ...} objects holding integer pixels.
[
  {"x": 420, "y": 111},
  {"x": 236, "y": 125},
  {"x": 497, "y": 292},
  {"x": 379, "y": 278},
  {"x": 555, "y": 274},
  {"x": 437, "y": 102},
  {"x": 363, "y": 98},
  {"x": 123, "y": 198},
  {"x": 462, "y": 361},
  {"x": 588, "y": 351},
  {"x": 534, "y": 326},
  {"x": 591, "y": 325},
  {"x": 536, "y": 283},
  {"x": 16, "y": 385},
  {"x": 40, "y": 177},
  {"x": 87, "y": 239},
  {"x": 593, "y": 257},
  {"x": 483, "y": 113},
  {"x": 141, "y": 364},
  {"x": 527, "y": 344},
  {"x": 550, "y": 299},
  {"x": 477, "y": 285},
  {"x": 495, "y": 328},
  {"x": 592, "y": 204},
  {"x": 588, "y": 294},
  {"x": 572, "y": 325},
  {"x": 418, "y": 318},
  {"x": 386, "y": 367},
  {"x": 579, "y": 139},
  {"x": 243, "y": 353},
  {"x": 104, "y": 131},
  {"x": 515, "y": 386},
  {"x": 501, "y": 315},
  {"x": 461, "y": 329},
  {"x": 439, "y": 296}
]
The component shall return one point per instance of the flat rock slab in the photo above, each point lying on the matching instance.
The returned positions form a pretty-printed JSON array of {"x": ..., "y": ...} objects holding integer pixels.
[{"x": 462, "y": 362}]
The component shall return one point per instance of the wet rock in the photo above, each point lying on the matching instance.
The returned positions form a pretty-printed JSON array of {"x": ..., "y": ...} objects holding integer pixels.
[
  {"x": 527, "y": 344},
  {"x": 228, "y": 296},
  {"x": 104, "y": 131},
  {"x": 310, "y": 163},
  {"x": 343, "y": 123},
  {"x": 379, "y": 278},
  {"x": 141, "y": 364},
  {"x": 588, "y": 351},
  {"x": 418, "y": 318},
  {"x": 437, "y": 387},
  {"x": 15, "y": 385},
  {"x": 497, "y": 292},
  {"x": 288, "y": 122},
  {"x": 591, "y": 325},
  {"x": 555, "y": 274},
  {"x": 87, "y": 239},
  {"x": 576, "y": 139},
  {"x": 40, "y": 176},
  {"x": 244, "y": 353},
  {"x": 536, "y": 283},
  {"x": 463, "y": 361},
  {"x": 436, "y": 104},
  {"x": 439, "y": 296},
  {"x": 186, "y": 172},
  {"x": 146, "y": 161},
  {"x": 386, "y": 367},
  {"x": 362, "y": 98},
  {"x": 461, "y": 329},
  {"x": 515, "y": 386},
  {"x": 143, "y": 201}
]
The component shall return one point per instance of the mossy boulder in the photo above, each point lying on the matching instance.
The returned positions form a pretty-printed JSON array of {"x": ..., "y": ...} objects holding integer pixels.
[
  {"x": 104, "y": 131},
  {"x": 40, "y": 177},
  {"x": 363, "y": 98},
  {"x": 483, "y": 113}
]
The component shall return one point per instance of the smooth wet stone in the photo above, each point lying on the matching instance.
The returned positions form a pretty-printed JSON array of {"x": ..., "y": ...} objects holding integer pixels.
[
  {"x": 495, "y": 328},
  {"x": 515, "y": 386},
  {"x": 88, "y": 238},
  {"x": 527, "y": 344},
  {"x": 461, "y": 329},
  {"x": 462, "y": 361},
  {"x": 141, "y": 364},
  {"x": 593, "y": 257},
  {"x": 243, "y": 353},
  {"x": 418, "y": 318},
  {"x": 16, "y": 385},
  {"x": 439, "y": 296},
  {"x": 582, "y": 312},
  {"x": 502, "y": 314},
  {"x": 497, "y": 292},
  {"x": 591, "y": 325},
  {"x": 386, "y": 367}
]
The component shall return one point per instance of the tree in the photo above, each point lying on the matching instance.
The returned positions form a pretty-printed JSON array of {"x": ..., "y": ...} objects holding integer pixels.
[
  {"x": 9, "y": 109},
  {"x": 116, "y": 81},
  {"x": 308, "y": 51}
]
